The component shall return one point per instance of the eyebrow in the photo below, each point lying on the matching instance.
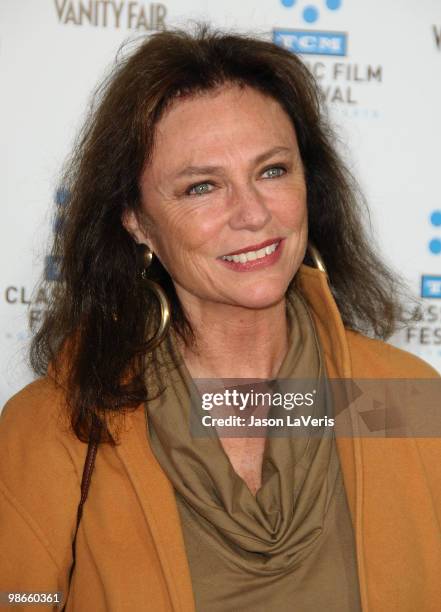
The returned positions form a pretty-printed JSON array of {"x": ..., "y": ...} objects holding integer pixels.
[{"x": 197, "y": 170}]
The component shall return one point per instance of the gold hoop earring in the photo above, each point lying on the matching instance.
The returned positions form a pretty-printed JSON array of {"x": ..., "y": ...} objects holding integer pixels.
[
  {"x": 316, "y": 258},
  {"x": 160, "y": 296}
]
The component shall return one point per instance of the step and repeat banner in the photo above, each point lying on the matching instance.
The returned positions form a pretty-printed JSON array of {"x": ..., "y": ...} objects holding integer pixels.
[{"x": 378, "y": 64}]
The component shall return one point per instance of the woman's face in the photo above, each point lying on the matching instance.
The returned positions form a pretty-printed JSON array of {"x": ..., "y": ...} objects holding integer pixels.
[{"x": 224, "y": 199}]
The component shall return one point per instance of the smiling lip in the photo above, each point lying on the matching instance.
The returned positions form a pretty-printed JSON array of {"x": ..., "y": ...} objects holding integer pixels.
[
  {"x": 256, "y": 264},
  {"x": 253, "y": 247}
]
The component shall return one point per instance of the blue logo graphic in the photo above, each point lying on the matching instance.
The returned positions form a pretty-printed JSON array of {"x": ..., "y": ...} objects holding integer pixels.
[
  {"x": 310, "y": 12},
  {"x": 308, "y": 42},
  {"x": 51, "y": 264},
  {"x": 430, "y": 286},
  {"x": 435, "y": 243}
]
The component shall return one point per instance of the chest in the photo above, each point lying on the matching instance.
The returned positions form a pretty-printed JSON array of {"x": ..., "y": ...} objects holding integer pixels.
[{"x": 246, "y": 456}]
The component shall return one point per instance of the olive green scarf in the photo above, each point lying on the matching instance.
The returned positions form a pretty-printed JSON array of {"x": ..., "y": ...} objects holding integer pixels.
[{"x": 289, "y": 547}]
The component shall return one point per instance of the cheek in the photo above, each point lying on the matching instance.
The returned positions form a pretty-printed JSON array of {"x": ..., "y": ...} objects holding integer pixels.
[
  {"x": 292, "y": 214},
  {"x": 184, "y": 233}
]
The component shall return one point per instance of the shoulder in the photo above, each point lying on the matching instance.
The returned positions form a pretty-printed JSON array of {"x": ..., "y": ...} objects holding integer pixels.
[
  {"x": 37, "y": 417},
  {"x": 373, "y": 358},
  {"x": 35, "y": 432},
  {"x": 38, "y": 401},
  {"x": 40, "y": 462}
]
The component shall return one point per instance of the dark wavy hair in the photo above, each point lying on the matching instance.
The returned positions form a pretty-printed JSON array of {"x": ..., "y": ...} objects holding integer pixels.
[{"x": 93, "y": 336}]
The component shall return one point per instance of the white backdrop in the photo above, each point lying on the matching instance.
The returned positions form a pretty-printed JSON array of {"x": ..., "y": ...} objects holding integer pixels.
[{"x": 378, "y": 62}]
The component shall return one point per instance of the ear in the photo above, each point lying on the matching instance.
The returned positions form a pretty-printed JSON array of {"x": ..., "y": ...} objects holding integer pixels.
[{"x": 131, "y": 223}]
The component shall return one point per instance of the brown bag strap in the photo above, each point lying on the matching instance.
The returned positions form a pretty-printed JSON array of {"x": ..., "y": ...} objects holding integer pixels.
[{"x": 89, "y": 464}]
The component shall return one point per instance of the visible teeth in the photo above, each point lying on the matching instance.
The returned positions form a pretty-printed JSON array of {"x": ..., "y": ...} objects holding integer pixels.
[{"x": 252, "y": 255}]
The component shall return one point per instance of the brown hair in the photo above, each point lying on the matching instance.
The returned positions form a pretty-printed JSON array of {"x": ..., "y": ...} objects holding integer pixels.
[{"x": 99, "y": 308}]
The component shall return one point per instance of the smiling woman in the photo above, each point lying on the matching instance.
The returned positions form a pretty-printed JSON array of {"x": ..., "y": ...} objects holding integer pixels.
[
  {"x": 225, "y": 196},
  {"x": 213, "y": 233}
]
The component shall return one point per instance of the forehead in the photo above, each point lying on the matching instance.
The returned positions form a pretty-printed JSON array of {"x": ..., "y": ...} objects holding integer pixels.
[{"x": 226, "y": 120}]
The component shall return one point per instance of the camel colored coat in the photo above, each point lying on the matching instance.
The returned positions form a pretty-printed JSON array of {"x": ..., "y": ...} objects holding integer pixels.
[{"x": 130, "y": 550}]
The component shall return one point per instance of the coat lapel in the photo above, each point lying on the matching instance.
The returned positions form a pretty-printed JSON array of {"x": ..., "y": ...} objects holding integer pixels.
[{"x": 157, "y": 499}]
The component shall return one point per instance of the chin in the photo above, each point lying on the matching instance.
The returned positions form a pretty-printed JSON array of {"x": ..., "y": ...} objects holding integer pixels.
[{"x": 260, "y": 297}]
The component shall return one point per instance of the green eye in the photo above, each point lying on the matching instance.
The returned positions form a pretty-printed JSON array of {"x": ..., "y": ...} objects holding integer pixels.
[
  {"x": 275, "y": 172},
  {"x": 199, "y": 189}
]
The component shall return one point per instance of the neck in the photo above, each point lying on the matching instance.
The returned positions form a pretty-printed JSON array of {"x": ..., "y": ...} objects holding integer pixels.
[{"x": 236, "y": 342}]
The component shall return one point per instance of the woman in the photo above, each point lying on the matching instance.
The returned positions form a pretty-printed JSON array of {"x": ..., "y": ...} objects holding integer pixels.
[{"x": 202, "y": 180}]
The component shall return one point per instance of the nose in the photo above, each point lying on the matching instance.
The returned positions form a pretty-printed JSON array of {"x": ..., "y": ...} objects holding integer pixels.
[{"x": 248, "y": 209}]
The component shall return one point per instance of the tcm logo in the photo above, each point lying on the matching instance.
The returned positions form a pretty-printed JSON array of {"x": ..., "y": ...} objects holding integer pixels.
[
  {"x": 430, "y": 286},
  {"x": 312, "y": 42}
]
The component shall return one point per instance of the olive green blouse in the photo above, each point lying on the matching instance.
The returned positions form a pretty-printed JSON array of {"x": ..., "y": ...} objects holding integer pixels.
[{"x": 289, "y": 547}]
